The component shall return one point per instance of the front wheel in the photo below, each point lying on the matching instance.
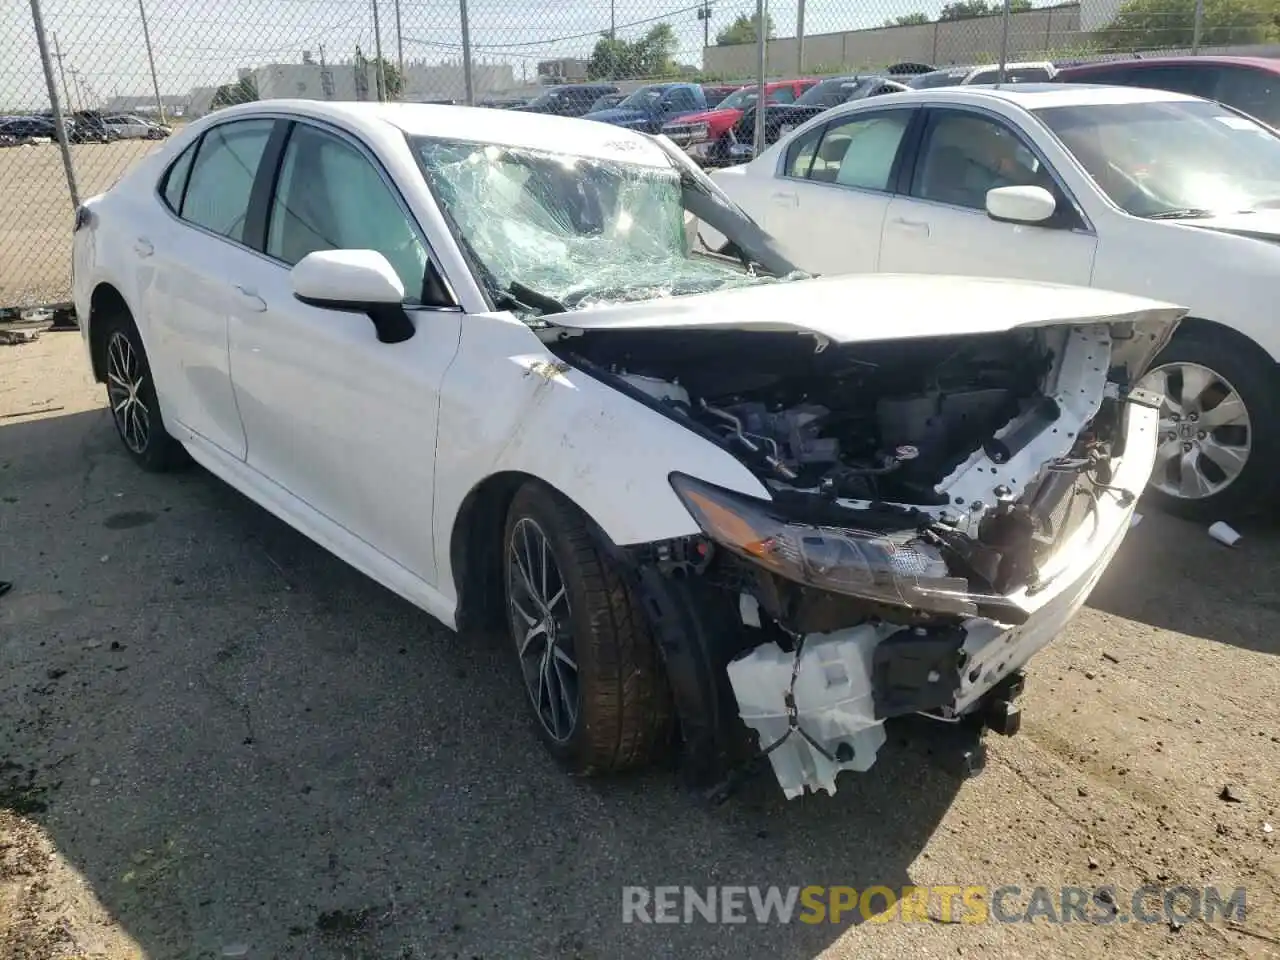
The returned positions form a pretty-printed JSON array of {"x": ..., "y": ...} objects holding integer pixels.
[
  {"x": 590, "y": 667},
  {"x": 1218, "y": 446}
]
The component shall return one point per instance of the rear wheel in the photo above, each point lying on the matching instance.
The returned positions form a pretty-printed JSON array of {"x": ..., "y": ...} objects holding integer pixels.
[
  {"x": 131, "y": 394},
  {"x": 1218, "y": 447},
  {"x": 590, "y": 668}
]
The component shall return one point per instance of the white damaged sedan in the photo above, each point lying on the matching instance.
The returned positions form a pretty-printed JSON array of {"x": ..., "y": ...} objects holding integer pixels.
[{"x": 720, "y": 506}]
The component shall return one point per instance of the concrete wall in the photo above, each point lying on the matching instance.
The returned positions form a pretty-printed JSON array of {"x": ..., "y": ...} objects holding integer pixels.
[{"x": 1031, "y": 34}]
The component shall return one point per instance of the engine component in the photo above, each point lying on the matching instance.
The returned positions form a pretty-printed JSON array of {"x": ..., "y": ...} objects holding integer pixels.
[
  {"x": 772, "y": 458},
  {"x": 828, "y": 696},
  {"x": 935, "y": 423},
  {"x": 795, "y": 430},
  {"x": 661, "y": 390}
]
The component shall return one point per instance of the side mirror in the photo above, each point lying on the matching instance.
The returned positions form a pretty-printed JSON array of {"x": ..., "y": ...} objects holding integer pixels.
[
  {"x": 358, "y": 281},
  {"x": 1021, "y": 204}
]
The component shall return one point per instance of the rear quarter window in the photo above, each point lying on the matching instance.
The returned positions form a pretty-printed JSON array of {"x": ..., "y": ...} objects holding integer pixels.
[{"x": 174, "y": 182}]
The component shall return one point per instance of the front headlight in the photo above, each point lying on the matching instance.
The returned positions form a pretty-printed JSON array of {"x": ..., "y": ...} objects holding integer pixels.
[{"x": 901, "y": 570}]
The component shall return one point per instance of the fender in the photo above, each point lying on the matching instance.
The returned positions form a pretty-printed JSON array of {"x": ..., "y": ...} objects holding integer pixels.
[{"x": 608, "y": 453}]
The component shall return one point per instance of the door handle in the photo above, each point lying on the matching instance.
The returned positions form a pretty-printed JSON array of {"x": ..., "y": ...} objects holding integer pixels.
[
  {"x": 255, "y": 302},
  {"x": 915, "y": 226},
  {"x": 143, "y": 247},
  {"x": 788, "y": 198}
]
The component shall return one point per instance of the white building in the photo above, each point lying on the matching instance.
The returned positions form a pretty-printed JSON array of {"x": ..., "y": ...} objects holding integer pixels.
[{"x": 346, "y": 81}]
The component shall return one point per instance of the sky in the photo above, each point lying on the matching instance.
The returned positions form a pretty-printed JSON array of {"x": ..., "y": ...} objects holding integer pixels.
[{"x": 203, "y": 42}]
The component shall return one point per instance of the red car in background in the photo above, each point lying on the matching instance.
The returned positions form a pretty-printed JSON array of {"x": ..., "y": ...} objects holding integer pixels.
[{"x": 706, "y": 136}]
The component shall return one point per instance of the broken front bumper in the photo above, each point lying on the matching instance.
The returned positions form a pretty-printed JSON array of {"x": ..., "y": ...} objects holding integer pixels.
[{"x": 824, "y": 711}]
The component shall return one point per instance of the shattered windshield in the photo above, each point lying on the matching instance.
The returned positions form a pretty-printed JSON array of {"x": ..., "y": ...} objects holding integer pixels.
[{"x": 557, "y": 231}]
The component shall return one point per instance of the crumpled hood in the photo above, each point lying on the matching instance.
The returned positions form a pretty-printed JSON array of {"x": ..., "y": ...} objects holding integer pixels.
[
  {"x": 1260, "y": 225},
  {"x": 871, "y": 307}
]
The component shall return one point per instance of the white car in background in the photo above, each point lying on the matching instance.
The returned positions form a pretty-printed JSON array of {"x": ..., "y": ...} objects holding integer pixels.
[
  {"x": 471, "y": 353},
  {"x": 129, "y": 127},
  {"x": 1032, "y": 71},
  {"x": 1118, "y": 188}
]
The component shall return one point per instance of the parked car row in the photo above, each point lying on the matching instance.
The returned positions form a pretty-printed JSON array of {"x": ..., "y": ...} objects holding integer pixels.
[{"x": 85, "y": 126}]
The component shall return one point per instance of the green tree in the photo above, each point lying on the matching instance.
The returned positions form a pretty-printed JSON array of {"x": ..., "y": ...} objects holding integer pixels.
[
  {"x": 653, "y": 55},
  {"x": 968, "y": 9},
  {"x": 244, "y": 90},
  {"x": 1153, "y": 24},
  {"x": 392, "y": 78},
  {"x": 744, "y": 30},
  {"x": 908, "y": 20}
]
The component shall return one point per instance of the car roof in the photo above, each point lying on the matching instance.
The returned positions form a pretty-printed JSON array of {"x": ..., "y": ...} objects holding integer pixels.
[
  {"x": 1033, "y": 96},
  {"x": 1269, "y": 64},
  {"x": 532, "y": 131}
]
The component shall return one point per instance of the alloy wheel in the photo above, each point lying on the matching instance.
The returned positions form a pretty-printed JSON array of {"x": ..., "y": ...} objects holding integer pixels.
[
  {"x": 541, "y": 625},
  {"x": 1205, "y": 433},
  {"x": 125, "y": 379}
]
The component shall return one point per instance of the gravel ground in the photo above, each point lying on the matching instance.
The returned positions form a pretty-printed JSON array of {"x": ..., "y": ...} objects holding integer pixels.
[{"x": 220, "y": 741}]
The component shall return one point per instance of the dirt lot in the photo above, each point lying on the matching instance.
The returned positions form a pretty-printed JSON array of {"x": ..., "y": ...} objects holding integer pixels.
[
  {"x": 220, "y": 741},
  {"x": 36, "y": 213}
]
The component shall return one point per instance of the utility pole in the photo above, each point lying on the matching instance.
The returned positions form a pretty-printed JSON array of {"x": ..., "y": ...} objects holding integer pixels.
[
  {"x": 613, "y": 20},
  {"x": 151, "y": 59},
  {"x": 704, "y": 14},
  {"x": 57, "y": 55},
  {"x": 75, "y": 85}
]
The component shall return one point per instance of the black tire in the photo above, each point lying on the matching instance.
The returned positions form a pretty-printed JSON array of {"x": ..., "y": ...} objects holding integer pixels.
[
  {"x": 157, "y": 451},
  {"x": 1253, "y": 376},
  {"x": 623, "y": 707}
]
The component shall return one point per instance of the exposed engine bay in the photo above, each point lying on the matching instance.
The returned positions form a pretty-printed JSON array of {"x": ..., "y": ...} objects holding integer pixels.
[
  {"x": 911, "y": 557},
  {"x": 873, "y": 424}
]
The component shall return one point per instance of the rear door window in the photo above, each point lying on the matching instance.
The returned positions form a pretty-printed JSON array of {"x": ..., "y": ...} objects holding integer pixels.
[{"x": 221, "y": 180}]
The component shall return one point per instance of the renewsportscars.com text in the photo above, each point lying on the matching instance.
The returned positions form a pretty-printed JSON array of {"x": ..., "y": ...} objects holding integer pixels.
[{"x": 974, "y": 904}]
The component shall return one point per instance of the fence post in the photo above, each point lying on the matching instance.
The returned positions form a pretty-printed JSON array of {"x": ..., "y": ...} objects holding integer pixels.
[
  {"x": 762, "y": 43},
  {"x": 151, "y": 59},
  {"x": 399, "y": 46},
  {"x": 60, "y": 125},
  {"x": 1004, "y": 42},
  {"x": 1199, "y": 24},
  {"x": 800, "y": 38},
  {"x": 380, "y": 77},
  {"x": 466, "y": 54}
]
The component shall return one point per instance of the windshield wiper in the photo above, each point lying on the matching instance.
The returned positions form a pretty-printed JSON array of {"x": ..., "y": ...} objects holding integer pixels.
[
  {"x": 527, "y": 297},
  {"x": 1183, "y": 213}
]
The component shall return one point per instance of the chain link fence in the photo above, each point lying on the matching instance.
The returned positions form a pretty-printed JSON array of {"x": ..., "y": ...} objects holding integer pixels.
[{"x": 125, "y": 73}]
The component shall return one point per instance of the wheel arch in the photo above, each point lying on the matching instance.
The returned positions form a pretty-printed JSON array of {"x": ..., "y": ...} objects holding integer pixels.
[
  {"x": 105, "y": 301},
  {"x": 1201, "y": 327},
  {"x": 475, "y": 545}
]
